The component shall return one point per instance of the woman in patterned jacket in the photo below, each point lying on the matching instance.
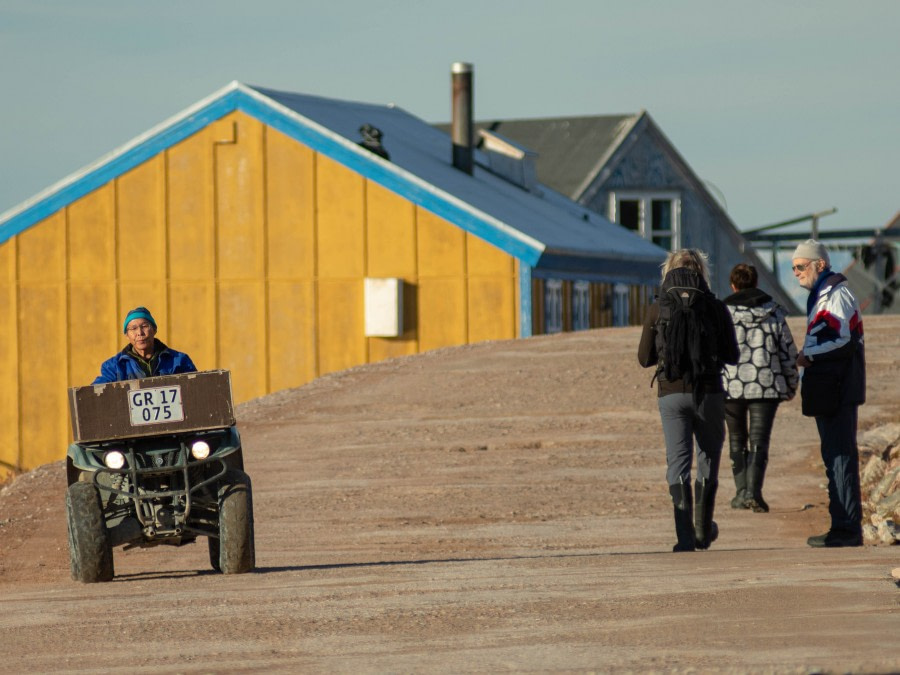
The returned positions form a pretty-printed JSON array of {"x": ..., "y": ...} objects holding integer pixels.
[{"x": 765, "y": 375}]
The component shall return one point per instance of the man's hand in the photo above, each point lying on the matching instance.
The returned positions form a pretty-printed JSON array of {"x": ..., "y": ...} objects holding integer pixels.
[{"x": 802, "y": 361}]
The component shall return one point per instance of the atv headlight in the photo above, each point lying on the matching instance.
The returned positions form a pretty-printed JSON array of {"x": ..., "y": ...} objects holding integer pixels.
[
  {"x": 200, "y": 449},
  {"x": 114, "y": 459}
]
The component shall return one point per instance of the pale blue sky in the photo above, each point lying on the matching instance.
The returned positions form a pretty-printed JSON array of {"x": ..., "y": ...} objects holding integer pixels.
[{"x": 786, "y": 107}]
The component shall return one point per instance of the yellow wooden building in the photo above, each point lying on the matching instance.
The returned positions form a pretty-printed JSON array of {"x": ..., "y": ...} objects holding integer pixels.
[{"x": 266, "y": 240}]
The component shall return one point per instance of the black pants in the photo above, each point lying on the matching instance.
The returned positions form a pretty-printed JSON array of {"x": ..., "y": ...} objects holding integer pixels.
[
  {"x": 841, "y": 457},
  {"x": 761, "y": 416}
]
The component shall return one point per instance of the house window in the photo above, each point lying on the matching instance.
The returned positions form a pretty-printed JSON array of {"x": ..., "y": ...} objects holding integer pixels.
[
  {"x": 654, "y": 215},
  {"x": 581, "y": 305},
  {"x": 553, "y": 306}
]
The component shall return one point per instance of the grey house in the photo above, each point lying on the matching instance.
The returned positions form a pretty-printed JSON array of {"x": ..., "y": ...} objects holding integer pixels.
[{"x": 624, "y": 168}]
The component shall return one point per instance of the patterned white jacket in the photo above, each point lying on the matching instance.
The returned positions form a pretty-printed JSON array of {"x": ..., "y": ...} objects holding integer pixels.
[{"x": 767, "y": 367}]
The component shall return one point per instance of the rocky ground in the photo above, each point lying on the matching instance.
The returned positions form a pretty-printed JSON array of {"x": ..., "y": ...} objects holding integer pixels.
[{"x": 497, "y": 507}]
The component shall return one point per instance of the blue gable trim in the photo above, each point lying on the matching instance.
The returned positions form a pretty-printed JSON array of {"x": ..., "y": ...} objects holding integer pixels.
[
  {"x": 115, "y": 167},
  {"x": 347, "y": 154}
]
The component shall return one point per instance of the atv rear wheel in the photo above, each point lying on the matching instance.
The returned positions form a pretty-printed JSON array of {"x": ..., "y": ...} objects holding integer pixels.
[
  {"x": 236, "y": 550},
  {"x": 90, "y": 552}
]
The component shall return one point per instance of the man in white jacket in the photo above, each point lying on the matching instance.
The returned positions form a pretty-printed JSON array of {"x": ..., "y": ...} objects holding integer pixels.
[{"x": 833, "y": 386}]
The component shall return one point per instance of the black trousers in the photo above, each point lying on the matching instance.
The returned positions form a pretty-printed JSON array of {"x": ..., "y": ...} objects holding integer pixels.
[
  {"x": 841, "y": 457},
  {"x": 761, "y": 416}
]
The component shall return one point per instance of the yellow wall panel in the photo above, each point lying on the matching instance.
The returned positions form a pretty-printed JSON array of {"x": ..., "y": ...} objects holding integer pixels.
[
  {"x": 192, "y": 322},
  {"x": 442, "y": 313},
  {"x": 42, "y": 250},
  {"x": 91, "y": 236},
  {"x": 240, "y": 213},
  {"x": 442, "y": 246},
  {"x": 340, "y": 317},
  {"x": 8, "y": 257},
  {"x": 242, "y": 342},
  {"x": 292, "y": 334},
  {"x": 44, "y": 398},
  {"x": 141, "y": 221},
  {"x": 389, "y": 348},
  {"x": 486, "y": 259},
  {"x": 150, "y": 293},
  {"x": 290, "y": 204},
  {"x": 391, "y": 234},
  {"x": 95, "y": 329},
  {"x": 191, "y": 205},
  {"x": 340, "y": 205},
  {"x": 491, "y": 309},
  {"x": 9, "y": 370}
]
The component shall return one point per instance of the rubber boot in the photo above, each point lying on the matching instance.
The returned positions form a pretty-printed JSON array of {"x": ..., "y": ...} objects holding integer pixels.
[
  {"x": 738, "y": 454},
  {"x": 684, "y": 515},
  {"x": 705, "y": 529},
  {"x": 756, "y": 474}
]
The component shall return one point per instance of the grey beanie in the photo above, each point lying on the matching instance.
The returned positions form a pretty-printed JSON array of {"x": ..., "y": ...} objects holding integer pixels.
[{"x": 812, "y": 250}]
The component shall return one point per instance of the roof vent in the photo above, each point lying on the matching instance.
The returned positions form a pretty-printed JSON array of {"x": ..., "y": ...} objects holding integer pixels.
[
  {"x": 508, "y": 159},
  {"x": 372, "y": 140}
]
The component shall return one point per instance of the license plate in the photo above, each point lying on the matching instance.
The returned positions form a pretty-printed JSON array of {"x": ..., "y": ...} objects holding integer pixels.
[{"x": 155, "y": 405}]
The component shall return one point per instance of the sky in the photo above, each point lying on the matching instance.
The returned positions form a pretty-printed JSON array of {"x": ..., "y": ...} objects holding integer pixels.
[{"x": 782, "y": 107}]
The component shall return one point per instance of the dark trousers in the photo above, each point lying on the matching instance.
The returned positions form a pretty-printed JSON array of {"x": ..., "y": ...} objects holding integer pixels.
[
  {"x": 683, "y": 420},
  {"x": 841, "y": 457},
  {"x": 761, "y": 416}
]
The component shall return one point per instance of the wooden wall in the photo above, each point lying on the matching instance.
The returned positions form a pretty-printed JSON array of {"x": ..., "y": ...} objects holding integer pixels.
[{"x": 250, "y": 250}]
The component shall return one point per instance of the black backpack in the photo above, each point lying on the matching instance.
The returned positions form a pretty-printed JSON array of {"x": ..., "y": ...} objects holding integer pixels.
[{"x": 687, "y": 332}]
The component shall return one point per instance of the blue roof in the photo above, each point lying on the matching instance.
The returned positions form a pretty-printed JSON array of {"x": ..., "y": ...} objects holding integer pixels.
[{"x": 546, "y": 231}]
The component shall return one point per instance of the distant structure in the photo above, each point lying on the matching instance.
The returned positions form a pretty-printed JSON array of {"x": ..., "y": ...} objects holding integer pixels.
[
  {"x": 874, "y": 274},
  {"x": 624, "y": 168}
]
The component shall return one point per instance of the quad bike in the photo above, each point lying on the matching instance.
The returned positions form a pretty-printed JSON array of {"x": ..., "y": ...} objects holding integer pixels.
[{"x": 157, "y": 461}]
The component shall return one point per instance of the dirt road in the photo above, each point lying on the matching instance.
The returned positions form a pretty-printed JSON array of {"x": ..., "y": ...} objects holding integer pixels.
[{"x": 499, "y": 507}]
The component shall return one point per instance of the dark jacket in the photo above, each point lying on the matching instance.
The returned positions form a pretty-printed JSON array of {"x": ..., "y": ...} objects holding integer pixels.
[
  {"x": 727, "y": 351},
  {"x": 127, "y": 366}
]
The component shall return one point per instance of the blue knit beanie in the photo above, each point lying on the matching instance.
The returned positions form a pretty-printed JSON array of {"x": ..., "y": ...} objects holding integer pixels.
[{"x": 137, "y": 313}]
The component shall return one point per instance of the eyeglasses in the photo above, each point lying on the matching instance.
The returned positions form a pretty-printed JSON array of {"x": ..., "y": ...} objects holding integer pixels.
[
  {"x": 802, "y": 266},
  {"x": 144, "y": 327}
]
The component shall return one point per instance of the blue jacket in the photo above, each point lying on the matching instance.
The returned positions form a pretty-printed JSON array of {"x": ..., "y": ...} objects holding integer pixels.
[{"x": 125, "y": 366}]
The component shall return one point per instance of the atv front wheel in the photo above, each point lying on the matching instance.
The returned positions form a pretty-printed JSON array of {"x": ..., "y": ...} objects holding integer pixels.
[
  {"x": 235, "y": 545},
  {"x": 90, "y": 552}
]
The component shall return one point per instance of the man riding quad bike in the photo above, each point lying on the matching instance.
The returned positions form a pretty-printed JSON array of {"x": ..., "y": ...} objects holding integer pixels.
[{"x": 157, "y": 460}]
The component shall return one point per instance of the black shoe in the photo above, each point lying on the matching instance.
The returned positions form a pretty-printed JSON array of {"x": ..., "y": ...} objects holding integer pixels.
[
  {"x": 756, "y": 504},
  {"x": 835, "y": 539},
  {"x": 705, "y": 529},
  {"x": 739, "y": 501},
  {"x": 684, "y": 515}
]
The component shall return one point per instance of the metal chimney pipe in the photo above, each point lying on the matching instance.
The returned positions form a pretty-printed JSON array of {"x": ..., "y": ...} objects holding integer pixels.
[{"x": 461, "y": 125}]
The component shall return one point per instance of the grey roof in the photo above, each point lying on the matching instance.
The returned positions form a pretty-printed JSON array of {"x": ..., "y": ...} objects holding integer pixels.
[{"x": 570, "y": 149}]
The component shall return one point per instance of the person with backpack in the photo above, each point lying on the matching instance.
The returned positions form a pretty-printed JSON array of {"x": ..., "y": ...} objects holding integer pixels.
[
  {"x": 688, "y": 335},
  {"x": 764, "y": 376}
]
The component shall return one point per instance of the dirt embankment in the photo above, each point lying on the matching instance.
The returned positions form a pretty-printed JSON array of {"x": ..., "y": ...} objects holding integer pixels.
[{"x": 494, "y": 507}]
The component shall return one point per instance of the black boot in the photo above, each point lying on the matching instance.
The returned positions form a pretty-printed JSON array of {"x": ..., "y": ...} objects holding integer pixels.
[
  {"x": 756, "y": 474},
  {"x": 738, "y": 454},
  {"x": 684, "y": 515},
  {"x": 705, "y": 529}
]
